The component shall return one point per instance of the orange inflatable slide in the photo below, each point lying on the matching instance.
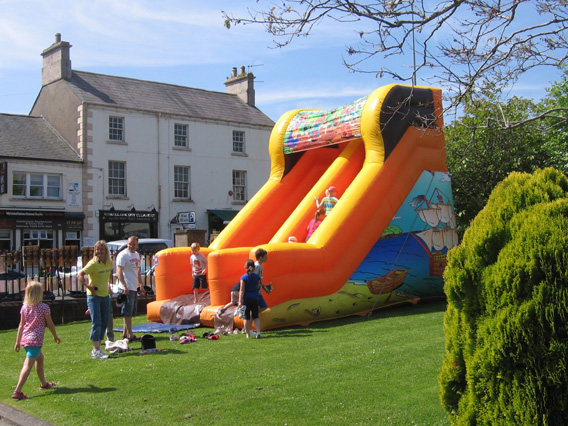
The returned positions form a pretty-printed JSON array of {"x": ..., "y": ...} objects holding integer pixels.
[{"x": 383, "y": 243}]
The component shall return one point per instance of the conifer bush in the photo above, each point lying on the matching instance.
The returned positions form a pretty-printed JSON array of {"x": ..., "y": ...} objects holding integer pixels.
[{"x": 506, "y": 325}]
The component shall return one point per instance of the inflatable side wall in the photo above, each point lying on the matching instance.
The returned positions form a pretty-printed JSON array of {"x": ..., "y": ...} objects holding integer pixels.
[{"x": 383, "y": 243}]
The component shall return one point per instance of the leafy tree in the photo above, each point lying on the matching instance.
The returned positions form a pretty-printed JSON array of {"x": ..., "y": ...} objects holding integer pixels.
[
  {"x": 506, "y": 359},
  {"x": 466, "y": 45},
  {"x": 480, "y": 154},
  {"x": 556, "y": 106}
]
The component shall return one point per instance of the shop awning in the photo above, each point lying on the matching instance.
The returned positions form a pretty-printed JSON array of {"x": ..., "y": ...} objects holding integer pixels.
[{"x": 224, "y": 215}]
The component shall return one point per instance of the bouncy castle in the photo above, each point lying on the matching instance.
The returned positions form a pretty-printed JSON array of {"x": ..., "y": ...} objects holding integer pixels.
[{"x": 383, "y": 243}]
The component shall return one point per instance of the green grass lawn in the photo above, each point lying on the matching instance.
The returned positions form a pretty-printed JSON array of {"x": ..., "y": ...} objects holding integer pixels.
[{"x": 377, "y": 370}]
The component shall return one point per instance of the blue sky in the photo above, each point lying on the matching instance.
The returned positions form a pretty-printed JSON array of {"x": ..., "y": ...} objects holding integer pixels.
[{"x": 184, "y": 42}]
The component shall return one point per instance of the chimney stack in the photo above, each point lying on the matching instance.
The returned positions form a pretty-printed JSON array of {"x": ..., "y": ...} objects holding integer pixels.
[
  {"x": 241, "y": 85},
  {"x": 56, "y": 62}
]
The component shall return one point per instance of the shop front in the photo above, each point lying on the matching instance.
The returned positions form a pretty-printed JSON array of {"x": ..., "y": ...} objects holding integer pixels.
[
  {"x": 218, "y": 219},
  {"x": 43, "y": 228},
  {"x": 120, "y": 224}
]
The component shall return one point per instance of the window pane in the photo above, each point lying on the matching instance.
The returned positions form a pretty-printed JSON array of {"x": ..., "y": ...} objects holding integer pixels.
[
  {"x": 19, "y": 184},
  {"x": 53, "y": 186},
  {"x": 180, "y": 135},
  {"x": 36, "y": 185},
  {"x": 115, "y": 128},
  {"x": 116, "y": 178},
  {"x": 239, "y": 185},
  {"x": 181, "y": 182},
  {"x": 238, "y": 141}
]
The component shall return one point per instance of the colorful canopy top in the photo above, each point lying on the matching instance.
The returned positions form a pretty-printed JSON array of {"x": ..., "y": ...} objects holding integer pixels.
[{"x": 313, "y": 129}]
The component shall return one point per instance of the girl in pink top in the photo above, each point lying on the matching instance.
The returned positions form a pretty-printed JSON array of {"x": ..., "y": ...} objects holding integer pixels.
[
  {"x": 314, "y": 223},
  {"x": 34, "y": 317}
]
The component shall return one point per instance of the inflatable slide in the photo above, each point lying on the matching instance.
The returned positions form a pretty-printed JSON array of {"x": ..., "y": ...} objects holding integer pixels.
[{"x": 383, "y": 243}]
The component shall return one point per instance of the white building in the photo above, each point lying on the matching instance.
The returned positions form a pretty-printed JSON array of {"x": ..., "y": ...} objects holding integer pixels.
[
  {"x": 40, "y": 176},
  {"x": 156, "y": 156}
]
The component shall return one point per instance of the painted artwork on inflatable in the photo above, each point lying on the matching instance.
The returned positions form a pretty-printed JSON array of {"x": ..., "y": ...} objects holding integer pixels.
[
  {"x": 314, "y": 129},
  {"x": 383, "y": 243}
]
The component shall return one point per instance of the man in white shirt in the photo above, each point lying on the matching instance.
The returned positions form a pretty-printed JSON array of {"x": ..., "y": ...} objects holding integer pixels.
[{"x": 128, "y": 273}]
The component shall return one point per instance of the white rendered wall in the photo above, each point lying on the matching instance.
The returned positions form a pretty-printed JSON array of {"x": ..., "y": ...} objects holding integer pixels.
[
  {"x": 150, "y": 158},
  {"x": 70, "y": 175}
]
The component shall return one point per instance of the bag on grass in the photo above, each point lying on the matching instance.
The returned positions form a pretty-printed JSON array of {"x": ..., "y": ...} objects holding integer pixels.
[
  {"x": 117, "y": 347},
  {"x": 148, "y": 342}
]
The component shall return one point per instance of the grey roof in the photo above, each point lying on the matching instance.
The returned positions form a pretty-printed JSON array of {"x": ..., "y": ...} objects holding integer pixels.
[
  {"x": 124, "y": 92},
  {"x": 22, "y": 136}
]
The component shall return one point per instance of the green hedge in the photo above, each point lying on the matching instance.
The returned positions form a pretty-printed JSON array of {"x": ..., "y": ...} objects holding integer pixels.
[{"x": 506, "y": 353}]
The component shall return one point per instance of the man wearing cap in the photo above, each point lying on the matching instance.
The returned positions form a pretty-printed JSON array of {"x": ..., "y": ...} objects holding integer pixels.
[
  {"x": 329, "y": 201},
  {"x": 128, "y": 273}
]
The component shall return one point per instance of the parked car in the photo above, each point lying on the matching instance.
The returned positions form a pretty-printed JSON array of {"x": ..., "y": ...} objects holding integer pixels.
[{"x": 145, "y": 246}]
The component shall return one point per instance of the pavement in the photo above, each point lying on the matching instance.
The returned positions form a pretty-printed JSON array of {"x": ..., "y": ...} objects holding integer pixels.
[{"x": 10, "y": 416}]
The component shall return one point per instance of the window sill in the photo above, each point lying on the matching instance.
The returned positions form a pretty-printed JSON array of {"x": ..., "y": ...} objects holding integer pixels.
[
  {"x": 181, "y": 148},
  {"x": 182, "y": 200},
  {"x": 239, "y": 154},
  {"x": 238, "y": 203},
  {"x": 116, "y": 142},
  {"x": 49, "y": 200}
]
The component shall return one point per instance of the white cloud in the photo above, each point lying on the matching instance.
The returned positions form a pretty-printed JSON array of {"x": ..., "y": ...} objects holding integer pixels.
[{"x": 319, "y": 93}]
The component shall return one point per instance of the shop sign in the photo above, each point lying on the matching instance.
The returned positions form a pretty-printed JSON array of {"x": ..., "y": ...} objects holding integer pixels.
[
  {"x": 127, "y": 216},
  {"x": 21, "y": 219}
]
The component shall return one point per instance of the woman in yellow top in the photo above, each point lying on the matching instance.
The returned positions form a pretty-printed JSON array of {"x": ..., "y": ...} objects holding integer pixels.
[{"x": 99, "y": 270}]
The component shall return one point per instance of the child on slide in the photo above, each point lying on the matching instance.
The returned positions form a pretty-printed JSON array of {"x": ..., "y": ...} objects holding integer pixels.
[{"x": 329, "y": 201}]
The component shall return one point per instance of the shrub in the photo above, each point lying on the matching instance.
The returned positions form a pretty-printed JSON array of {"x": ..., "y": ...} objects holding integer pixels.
[{"x": 506, "y": 352}]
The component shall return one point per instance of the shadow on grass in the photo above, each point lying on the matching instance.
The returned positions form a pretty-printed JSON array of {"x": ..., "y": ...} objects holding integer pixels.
[
  {"x": 295, "y": 331},
  {"x": 62, "y": 390},
  {"x": 408, "y": 309},
  {"x": 138, "y": 352}
]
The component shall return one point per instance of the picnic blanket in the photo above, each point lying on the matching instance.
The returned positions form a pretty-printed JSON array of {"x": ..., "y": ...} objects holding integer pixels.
[
  {"x": 157, "y": 327},
  {"x": 182, "y": 309}
]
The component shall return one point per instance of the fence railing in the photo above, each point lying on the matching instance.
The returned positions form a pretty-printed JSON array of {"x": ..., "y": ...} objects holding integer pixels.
[{"x": 57, "y": 270}]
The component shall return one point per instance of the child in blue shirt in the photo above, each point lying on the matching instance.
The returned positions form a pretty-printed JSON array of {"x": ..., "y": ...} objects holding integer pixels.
[{"x": 248, "y": 296}]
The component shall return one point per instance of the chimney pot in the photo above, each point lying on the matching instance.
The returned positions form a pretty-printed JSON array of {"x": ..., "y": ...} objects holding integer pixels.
[
  {"x": 58, "y": 38},
  {"x": 243, "y": 70},
  {"x": 234, "y": 74}
]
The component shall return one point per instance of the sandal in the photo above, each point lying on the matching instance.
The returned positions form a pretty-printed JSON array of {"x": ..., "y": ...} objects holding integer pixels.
[
  {"x": 48, "y": 385},
  {"x": 19, "y": 395},
  {"x": 135, "y": 339}
]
